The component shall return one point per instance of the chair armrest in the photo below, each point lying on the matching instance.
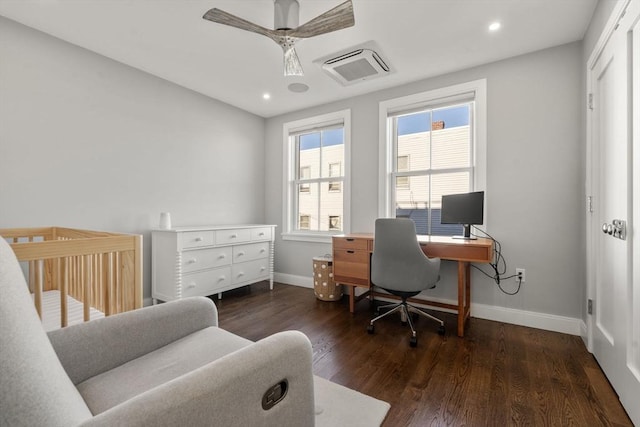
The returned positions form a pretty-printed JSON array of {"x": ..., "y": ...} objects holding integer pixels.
[
  {"x": 229, "y": 390},
  {"x": 90, "y": 348}
]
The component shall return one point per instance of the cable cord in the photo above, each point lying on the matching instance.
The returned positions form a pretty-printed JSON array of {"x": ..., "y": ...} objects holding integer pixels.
[{"x": 499, "y": 261}]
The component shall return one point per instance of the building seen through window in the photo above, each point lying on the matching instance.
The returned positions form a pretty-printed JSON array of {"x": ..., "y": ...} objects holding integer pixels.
[
  {"x": 433, "y": 157},
  {"x": 320, "y": 156}
]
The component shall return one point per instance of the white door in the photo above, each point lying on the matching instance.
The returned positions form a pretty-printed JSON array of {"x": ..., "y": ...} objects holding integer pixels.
[{"x": 613, "y": 324}]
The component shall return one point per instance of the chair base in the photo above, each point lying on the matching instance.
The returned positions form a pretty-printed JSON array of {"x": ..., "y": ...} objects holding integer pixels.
[{"x": 405, "y": 310}]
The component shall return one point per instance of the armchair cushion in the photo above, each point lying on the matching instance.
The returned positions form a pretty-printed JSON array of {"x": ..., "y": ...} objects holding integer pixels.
[
  {"x": 117, "y": 385},
  {"x": 29, "y": 368}
]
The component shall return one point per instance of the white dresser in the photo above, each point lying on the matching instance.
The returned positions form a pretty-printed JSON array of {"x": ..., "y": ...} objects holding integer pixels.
[{"x": 207, "y": 260}]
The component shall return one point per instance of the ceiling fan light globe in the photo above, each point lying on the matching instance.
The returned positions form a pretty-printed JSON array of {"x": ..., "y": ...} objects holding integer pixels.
[
  {"x": 286, "y": 14},
  {"x": 292, "y": 66}
]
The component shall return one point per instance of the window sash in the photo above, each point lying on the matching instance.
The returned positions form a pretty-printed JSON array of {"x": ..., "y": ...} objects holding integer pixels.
[
  {"x": 319, "y": 218},
  {"x": 472, "y": 92}
]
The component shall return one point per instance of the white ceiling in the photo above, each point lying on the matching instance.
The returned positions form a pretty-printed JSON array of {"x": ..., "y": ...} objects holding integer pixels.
[{"x": 419, "y": 38}]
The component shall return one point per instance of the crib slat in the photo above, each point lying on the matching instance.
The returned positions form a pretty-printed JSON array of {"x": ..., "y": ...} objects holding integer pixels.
[
  {"x": 64, "y": 290},
  {"x": 87, "y": 288},
  {"x": 35, "y": 274}
]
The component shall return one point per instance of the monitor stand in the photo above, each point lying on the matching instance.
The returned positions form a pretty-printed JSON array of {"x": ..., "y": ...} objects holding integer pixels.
[{"x": 467, "y": 233}]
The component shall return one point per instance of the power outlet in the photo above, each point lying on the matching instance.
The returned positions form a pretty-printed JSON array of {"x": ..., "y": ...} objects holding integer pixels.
[{"x": 520, "y": 275}]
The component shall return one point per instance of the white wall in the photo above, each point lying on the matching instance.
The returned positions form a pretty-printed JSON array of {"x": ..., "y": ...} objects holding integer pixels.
[
  {"x": 91, "y": 143},
  {"x": 534, "y": 181}
]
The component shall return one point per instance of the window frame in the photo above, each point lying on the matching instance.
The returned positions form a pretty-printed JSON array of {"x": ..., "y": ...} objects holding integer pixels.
[
  {"x": 290, "y": 214},
  {"x": 476, "y": 90}
]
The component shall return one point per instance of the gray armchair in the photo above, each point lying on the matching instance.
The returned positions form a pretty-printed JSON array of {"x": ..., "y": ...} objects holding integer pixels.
[
  {"x": 165, "y": 365},
  {"x": 399, "y": 266}
]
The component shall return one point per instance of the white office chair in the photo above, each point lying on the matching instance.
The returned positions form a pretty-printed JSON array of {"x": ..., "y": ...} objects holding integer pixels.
[{"x": 399, "y": 266}]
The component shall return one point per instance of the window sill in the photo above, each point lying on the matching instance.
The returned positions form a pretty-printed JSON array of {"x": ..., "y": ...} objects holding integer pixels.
[{"x": 309, "y": 237}]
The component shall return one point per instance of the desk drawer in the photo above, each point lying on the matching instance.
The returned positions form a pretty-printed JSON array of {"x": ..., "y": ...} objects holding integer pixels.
[
  {"x": 351, "y": 266},
  {"x": 354, "y": 243}
]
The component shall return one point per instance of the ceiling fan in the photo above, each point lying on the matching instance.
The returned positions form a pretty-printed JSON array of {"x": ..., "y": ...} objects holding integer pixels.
[{"x": 287, "y": 32}]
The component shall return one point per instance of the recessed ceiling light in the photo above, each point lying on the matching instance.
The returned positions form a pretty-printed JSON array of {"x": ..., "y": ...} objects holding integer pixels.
[
  {"x": 298, "y": 87},
  {"x": 266, "y": 96},
  {"x": 494, "y": 26}
]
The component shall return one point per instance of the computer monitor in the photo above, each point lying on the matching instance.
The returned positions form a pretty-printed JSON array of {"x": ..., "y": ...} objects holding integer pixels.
[{"x": 466, "y": 209}]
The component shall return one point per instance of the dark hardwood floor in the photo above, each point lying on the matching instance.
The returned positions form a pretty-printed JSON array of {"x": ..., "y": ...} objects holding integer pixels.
[{"x": 497, "y": 375}]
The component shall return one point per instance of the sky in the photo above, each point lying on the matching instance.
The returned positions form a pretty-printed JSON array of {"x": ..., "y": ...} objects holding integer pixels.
[
  {"x": 411, "y": 123},
  {"x": 419, "y": 122}
]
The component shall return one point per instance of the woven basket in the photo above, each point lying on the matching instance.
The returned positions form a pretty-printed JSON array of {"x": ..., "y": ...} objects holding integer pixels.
[{"x": 324, "y": 286}]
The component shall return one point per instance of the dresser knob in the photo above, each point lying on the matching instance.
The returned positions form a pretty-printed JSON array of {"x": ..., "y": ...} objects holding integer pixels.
[
  {"x": 222, "y": 256},
  {"x": 198, "y": 239},
  {"x": 221, "y": 279},
  {"x": 233, "y": 236},
  {"x": 240, "y": 253},
  {"x": 261, "y": 234},
  {"x": 263, "y": 250},
  {"x": 191, "y": 285},
  {"x": 193, "y": 261}
]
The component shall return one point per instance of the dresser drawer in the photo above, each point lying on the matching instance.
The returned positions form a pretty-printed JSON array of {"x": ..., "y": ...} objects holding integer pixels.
[
  {"x": 196, "y": 239},
  {"x": 205, "y": 282},
  {"x": 205, "y": 258},
  {"x": 261, "y": 233},
  {"x": 351, "y": 243},
  {"x": 242, "y": 253},
  {"x": 230, "y": 237},
  {"x": 248, "y": 271}
]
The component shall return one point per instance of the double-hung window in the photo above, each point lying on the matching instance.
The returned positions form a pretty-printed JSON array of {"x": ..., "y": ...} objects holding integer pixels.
[
  {"x": 432, "y": 144},
  {"x": 316, "y": 182}
]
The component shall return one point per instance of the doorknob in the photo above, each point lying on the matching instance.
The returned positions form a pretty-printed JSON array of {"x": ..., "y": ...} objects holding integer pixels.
[{"x": 618, "y": 229}]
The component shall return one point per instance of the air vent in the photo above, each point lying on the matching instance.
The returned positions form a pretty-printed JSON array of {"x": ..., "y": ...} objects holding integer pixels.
[{"x": 355, "y": 65}]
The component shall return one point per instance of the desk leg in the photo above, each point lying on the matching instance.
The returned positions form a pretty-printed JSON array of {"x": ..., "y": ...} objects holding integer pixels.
[
  {"x": 461, "y": 287},
  {"x": 352, "y": 299},
  {"x": 467, "y": 294}
]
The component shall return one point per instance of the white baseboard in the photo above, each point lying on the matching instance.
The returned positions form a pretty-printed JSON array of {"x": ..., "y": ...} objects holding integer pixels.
[
  {"x": 532, "y": 319},
  {"x": 290, "y": 279}
]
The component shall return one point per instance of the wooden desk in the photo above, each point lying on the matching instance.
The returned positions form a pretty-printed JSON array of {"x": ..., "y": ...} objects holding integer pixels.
[{"x": 352, "y": 266}]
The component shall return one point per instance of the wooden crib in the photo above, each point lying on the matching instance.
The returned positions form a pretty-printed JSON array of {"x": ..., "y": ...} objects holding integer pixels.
[{"x": 98, "y": 270}]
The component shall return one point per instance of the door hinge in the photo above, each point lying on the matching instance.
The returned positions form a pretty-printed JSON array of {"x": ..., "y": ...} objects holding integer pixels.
[
  {"x": 590, "y": 306},
  {"x": 590, "y": 101},
  {"x": 590, "y": 204}
]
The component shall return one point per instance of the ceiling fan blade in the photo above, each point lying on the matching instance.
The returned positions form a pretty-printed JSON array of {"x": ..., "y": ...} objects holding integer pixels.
[
  {"x": 225, "y": 18},
  {"x": 292, "y": 66},
  {"x": 335, "y": 19}
]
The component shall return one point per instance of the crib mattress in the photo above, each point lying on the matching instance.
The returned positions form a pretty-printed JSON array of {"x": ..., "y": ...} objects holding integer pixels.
[{"x": 75, "y": 310}]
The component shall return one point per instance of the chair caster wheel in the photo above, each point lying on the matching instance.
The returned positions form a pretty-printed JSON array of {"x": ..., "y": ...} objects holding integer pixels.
[
  {"x": 441, "y": 330},
  {"x": 370, "y": 329},
  {"x": 413, "y": 342}
]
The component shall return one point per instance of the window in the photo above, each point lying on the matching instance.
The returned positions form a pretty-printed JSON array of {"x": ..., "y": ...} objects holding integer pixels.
[
  {"x": 432, "y": 144},
  {"x": 317, "y": 159},
  {"x": 402, "y": 166},
  {"x": 305, "y": 173},
  {"x": 303, "y": 224},
  {"x": 335, "y": 169}
]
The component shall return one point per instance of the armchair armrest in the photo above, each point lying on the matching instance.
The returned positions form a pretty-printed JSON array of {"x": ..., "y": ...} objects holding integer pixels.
[
  {"x": 229, "y": 390},
  {"x": 90, "y": 348}
]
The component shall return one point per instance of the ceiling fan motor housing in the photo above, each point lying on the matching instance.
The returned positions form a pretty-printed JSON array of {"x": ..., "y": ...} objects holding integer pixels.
[{"x": 286, "y": 15}]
